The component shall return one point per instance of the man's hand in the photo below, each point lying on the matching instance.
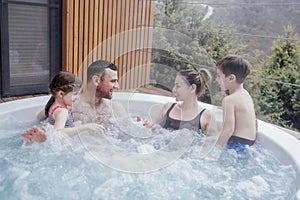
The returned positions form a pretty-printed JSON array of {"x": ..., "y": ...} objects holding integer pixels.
[
  {"x": 34, "y": 134},
  {"x": 94, "y": 127}
]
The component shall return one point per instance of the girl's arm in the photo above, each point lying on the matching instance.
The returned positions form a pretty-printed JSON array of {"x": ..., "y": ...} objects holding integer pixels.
[
  {"x": 83, "y": 127},
  {"x": 61, "y": 116}
]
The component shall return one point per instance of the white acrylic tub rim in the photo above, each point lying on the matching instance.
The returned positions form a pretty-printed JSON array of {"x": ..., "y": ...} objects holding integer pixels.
[{"x": 285, "y": 147}]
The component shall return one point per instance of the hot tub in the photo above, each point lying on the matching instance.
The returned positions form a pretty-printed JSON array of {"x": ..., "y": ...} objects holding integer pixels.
[{"x": 284, "y": 146}]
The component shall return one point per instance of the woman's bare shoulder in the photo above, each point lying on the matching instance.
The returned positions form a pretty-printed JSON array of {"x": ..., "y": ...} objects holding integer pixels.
[{"x": 167, "y": 105}]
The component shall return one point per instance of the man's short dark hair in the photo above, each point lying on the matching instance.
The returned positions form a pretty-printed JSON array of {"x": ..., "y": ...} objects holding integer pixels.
[{"x": 98, "y": 68}]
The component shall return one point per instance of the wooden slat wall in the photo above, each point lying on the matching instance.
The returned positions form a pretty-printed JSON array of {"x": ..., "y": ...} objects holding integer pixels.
[{"x": 113, "y": 30}]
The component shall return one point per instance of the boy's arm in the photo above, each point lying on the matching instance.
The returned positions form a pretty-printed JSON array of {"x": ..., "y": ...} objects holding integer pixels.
[{"x": 228, "y": 121}]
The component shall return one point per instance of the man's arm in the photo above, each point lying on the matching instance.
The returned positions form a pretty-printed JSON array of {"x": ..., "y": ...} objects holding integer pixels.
[
  {"x": 119, "y": 110},
  {"x": 34, "y": 134}
]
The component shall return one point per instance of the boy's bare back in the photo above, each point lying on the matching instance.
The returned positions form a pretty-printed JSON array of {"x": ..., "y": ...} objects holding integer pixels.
[
  {"x": 239, "y": 120},
  {"x": 241, "y": 111}
]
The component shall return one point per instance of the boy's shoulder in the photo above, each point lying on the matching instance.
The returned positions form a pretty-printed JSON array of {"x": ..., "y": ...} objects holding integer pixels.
[
  {"x": 238, "y": 94},
  {"x": 234, "y": 98},
  {"x": 239, "y": 99},
  {"x": 230, "y": 97}
]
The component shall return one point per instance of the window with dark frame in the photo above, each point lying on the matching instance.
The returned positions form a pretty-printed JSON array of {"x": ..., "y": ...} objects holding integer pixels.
[{"x": 30, "y": 45}]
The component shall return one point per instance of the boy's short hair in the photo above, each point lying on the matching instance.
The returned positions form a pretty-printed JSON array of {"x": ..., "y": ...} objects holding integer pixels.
[
  {"x": 98, "y": 68},
  {"x": 234, "y": 64}
]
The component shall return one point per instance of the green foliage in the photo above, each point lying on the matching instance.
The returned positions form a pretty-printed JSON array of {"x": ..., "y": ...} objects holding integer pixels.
[
  {"x": 279, "y": 89},
  {"x": 201, "y": 47},
  {"x": 273, "y": 84},
  {"x": 253, "y": 80}
]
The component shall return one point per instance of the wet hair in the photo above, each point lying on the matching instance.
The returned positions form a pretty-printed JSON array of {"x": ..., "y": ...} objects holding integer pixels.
[
  {"x": 98, "y": 68},
  {"x": 200, "y": 78},
  {"x": 234, "y": 64},
  {"x": 62, "y": 81}
]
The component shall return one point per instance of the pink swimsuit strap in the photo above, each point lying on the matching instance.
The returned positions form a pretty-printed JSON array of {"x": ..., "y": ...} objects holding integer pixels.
[{"x": 54, "y": 108}]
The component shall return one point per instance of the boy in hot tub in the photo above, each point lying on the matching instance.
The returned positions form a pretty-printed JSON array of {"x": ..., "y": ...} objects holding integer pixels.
[{"x": 239, "y": 121}]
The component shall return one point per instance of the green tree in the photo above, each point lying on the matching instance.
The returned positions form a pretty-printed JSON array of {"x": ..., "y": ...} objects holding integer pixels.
[
  {"x": 279, "y": 100},
  {"x": 205, "y": 45}
]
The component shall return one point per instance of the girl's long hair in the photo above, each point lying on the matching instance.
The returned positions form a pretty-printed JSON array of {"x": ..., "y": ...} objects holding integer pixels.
[{"x": 63, "y": 81}]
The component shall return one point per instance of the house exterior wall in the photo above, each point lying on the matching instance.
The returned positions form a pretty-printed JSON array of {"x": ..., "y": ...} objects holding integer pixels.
[{"x": 113, "y": 30}]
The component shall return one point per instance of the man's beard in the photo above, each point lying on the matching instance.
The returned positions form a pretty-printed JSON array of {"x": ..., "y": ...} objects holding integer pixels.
[{"x": 100, "y": 93}]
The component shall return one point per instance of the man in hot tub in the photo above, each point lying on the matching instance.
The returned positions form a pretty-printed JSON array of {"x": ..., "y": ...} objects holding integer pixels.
[{"x": 93, "y": 103}]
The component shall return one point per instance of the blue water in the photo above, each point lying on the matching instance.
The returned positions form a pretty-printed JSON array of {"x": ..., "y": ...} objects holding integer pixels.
[{"x": 62, "y": 168}]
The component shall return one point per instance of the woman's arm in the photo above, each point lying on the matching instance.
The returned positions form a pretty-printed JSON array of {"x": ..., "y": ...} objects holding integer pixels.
[
  {"x": 208, "y": 123},
  {"x": 163, "y": 112}
]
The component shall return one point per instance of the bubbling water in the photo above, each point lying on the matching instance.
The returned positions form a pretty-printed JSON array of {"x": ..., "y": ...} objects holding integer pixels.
[{"x": 64, "y": 168}]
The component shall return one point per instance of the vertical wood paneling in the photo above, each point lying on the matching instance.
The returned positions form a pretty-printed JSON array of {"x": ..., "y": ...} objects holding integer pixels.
[
  {"x": 109, "y": 30},
  {"x": 121, "y": 42},
  {"x": 138, "y": 60},
  {"x": 68, "y": 35},
  {"x": 85, "y": 36},
  {"x": 129, "y": 47},
  {"x": 91, "y": 31},
  {"x": 65, "y": 30},
  {"x": 113, "y": 30},
  {"x": 100, "y": 37},
  {"x": 143, "y": 43},
  {"x": 134, "y": 66},
  {"x": 139, "y": 51},
  {"x": 125, "y": 81},
  {"x": 76, "y": 36},
  {"x": 118, "y": 30},
  {"x": 81, "y": 36},
  {"x": 150, "y": 8},
  {"x": 96, "y": 30},
  {"x": 103, "y": 29}
]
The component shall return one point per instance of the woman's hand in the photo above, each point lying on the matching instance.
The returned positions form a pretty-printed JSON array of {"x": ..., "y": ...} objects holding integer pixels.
[{"x": 147, "y": 123}]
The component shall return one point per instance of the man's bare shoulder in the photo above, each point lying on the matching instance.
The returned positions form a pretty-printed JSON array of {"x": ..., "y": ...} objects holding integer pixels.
[
  {"x": 119, "y": 109},
  {"x": 79, "y": 105}
]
